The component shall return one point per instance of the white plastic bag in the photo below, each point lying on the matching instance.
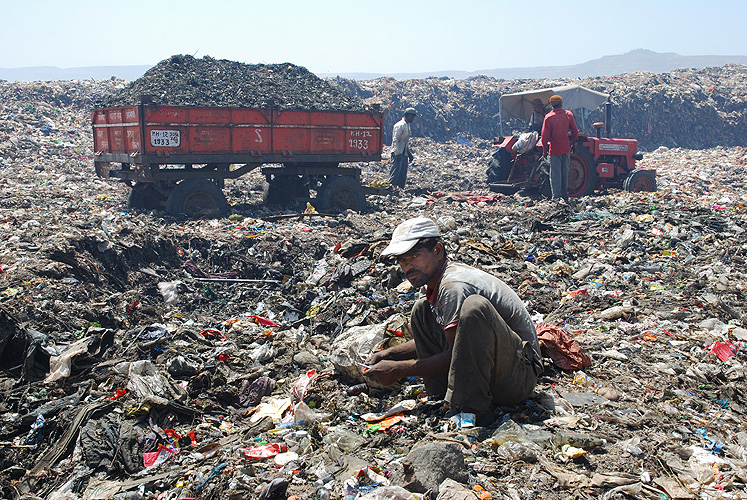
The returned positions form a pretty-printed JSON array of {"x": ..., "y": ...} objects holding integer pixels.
[
  {"x": 526, "y": 142},
  {"x": 357, "y": 343}
]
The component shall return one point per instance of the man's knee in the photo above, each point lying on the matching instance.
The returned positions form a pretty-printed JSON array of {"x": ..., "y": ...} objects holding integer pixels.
[
  {"x": 476, "y": 304},
  {"x": 479, "y": 315}
]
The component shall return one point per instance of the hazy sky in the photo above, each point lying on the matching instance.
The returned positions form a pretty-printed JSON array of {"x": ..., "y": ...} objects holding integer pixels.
[{"x": 343, "y": 36}]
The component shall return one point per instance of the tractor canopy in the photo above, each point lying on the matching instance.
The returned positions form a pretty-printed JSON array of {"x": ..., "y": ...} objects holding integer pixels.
[{"x": 519, "y": 104}]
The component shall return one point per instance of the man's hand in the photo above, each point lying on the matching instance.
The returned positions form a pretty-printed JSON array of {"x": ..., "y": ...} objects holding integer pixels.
[
  {"x": 377, "y": 356},
  {"x": 386, "y": 372}
]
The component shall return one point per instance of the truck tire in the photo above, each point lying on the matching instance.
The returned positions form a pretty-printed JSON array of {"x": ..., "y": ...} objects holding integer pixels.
[
  {"x": 582, "y": 173},
  {"x": 284, "y": 189},
  {"x": 196, "y": 198},
  {"x": 340, "y": 193},
  {"x": 640, "y": 180},
  {"x": 145, "y": 196}
]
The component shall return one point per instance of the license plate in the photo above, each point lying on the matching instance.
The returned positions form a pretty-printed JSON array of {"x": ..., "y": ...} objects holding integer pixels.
[{"x": 165, "y": 138}]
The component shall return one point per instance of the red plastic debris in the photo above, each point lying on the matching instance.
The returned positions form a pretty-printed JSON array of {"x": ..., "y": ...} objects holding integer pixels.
[
  {"x": 210, "y": 333},
  {"x": 264, "y": 451},
  {"x": 723, "y": 350},
  {"x": 263, "y": 321},
  {"x": 119, "y": 394}
]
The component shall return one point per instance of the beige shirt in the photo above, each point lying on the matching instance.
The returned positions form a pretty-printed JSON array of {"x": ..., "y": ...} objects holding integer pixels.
[{"x": 400, "y": 136}]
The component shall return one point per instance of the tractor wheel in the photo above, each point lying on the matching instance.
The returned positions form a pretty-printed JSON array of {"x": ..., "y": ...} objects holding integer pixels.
[
  {"x": 582, "y": 173},
  {"x": 640, "y": 180},
  {"x": 145, "y": 196},
  {"x": 284, "y": 189},
  {"x": 340, "y": 193},
  {"x": 196, "y": 198}
]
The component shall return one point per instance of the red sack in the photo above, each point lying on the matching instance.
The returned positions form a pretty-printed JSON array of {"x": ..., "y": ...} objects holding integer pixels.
[{"x": 557, "y": 345}]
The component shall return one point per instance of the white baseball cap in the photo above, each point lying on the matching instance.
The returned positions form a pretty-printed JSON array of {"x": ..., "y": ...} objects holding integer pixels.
[{"x": 408, "y": 233}]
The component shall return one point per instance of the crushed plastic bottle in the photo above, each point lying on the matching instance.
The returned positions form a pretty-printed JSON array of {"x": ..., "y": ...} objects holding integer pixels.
[{"x": 577, "y": 439}]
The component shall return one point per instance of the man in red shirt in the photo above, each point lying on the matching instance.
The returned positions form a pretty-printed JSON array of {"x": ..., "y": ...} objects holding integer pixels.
[{"x": 555, "y": 142}]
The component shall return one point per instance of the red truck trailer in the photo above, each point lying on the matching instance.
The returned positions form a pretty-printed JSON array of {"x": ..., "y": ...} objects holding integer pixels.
[{"x": 177, "y": 157}]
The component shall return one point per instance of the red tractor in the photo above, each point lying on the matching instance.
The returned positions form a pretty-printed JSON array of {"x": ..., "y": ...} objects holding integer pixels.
[{"x": 598, "y": 162}]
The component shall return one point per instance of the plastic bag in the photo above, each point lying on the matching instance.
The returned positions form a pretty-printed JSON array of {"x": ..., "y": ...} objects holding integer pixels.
[
  {"x": 264, "y": 451},
  {"x": 388, "y": 493},
  {"x": 145, "y": 379},
  {"x": 59, "y": 366},
  {"x": 344, "y": 439},
  {"x": 357, "y": 343},
  {"x": 303, "y": 416},
  {"x": 526, "y": 142},
  {"x": 170, "y": 291},
  {"x": 301, "y": 385}
]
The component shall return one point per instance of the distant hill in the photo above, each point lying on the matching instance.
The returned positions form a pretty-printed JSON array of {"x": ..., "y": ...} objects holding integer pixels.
[
  {"x": 630, "y": 62},
  {"x": 48, "y": 73}
]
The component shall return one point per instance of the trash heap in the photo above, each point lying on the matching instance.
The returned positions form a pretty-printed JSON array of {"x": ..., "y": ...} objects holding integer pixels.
[
  {"x": 691, "y": 108},
  {"x": 183, "y": 80},
  {"x": 147, "y": 357}
]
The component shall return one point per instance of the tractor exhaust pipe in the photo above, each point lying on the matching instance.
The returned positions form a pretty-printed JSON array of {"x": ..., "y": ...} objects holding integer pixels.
[{"x": 608, "y": 117}]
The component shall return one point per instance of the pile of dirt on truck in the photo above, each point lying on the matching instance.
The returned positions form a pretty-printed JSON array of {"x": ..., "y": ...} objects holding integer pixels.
[{"x": 183, "y": 80}]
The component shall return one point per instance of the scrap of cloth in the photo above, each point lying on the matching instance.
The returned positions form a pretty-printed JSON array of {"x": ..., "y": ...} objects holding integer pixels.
[{"x": 557, "y": 345}]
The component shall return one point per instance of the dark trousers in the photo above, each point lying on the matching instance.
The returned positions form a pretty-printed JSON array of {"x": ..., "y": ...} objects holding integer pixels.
[
  {"x": 490, "y": 364},
  {"x": 559, "y": 166},
  {"x": 398, "y": 170}
]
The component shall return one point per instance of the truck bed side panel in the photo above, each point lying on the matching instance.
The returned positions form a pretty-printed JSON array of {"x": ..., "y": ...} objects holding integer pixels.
[
  {"x": 177, "y": 131},
  {"x": 251, "y": 131},
  {"x": 117, "y": 130}
]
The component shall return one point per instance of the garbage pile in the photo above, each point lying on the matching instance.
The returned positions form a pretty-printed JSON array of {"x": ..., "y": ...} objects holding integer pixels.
[
  {"x": 690, "y": 108},
  {"x": 144, "y": 356},
  {"x": 183, "y": 80}
]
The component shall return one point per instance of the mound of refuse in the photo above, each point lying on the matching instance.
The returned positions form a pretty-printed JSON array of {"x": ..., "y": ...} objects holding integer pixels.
[
  {"x": 143, "y": 356},
  {"x": 688, "y": 108},
  {"x": 184, "y": 80}
]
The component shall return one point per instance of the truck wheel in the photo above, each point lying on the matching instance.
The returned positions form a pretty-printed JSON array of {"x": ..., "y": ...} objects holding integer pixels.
[
  {"x": 342, "y": 192},
  {"x": 284, "y": 189},
  {"x": 196, "y": 198},
  {"x": 145, "y": 196},
  {"x": 582, "y": 173},
  {"x": 640, "y": 180}
]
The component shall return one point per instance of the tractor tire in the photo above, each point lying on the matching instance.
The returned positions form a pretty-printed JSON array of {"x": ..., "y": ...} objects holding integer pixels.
[
  {"x": 145, "y": 196},
  {"x": 341, "y": 192},
  {"x": 582, "y": 173},
  {"x": 284, "y": 189},
  {"x": 640, "y": 180},
  {"x": 196, "y": 198}
]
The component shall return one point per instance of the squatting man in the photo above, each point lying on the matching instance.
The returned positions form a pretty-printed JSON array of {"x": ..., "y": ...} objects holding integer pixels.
[{"x": 474, "y": 341}]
